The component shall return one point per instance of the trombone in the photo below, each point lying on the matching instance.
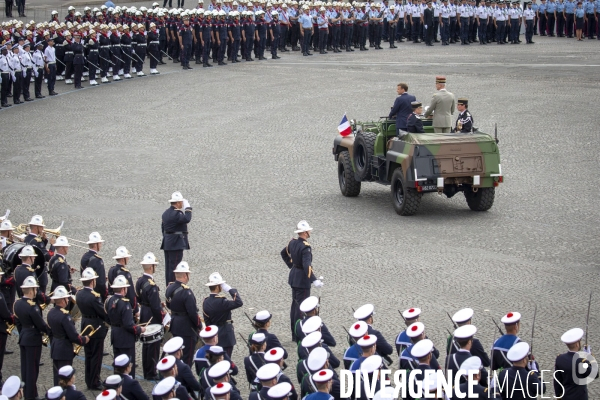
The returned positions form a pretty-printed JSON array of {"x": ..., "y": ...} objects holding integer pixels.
[
  {"x": 77, "y": 347},
  {"x": 10, "y": 328},
  {"x": 45, "y": 340},
  {"x": 22, "y": 230}
]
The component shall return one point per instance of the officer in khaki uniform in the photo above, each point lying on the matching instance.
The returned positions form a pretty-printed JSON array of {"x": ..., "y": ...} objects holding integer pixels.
[{"x": 443, "y": 103}]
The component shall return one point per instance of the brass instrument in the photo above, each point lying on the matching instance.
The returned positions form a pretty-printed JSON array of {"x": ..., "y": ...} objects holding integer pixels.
[
  {"x": 22, "y": 230},
  {"x": 77, "y": 348},
  {"x": 45, "y": 340},
  {"x": 10, "y": 328}
]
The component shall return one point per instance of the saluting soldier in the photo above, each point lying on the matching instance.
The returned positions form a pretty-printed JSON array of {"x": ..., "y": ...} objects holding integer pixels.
[
  {"x": 92, "y": 260},
  {"x": 123, "y": 332},
  {"x": 148, "y": 295},
  {"x": 32, "y": 326},
  {"x": 25, "y": 270},
  {"x": 184, "y": 311},
  {"x": 464, "y": 122},
  {"x": 60, "y": 271},
  {"x": 505, "y": 342},
  {"x": 175, "y": 233},
  {"x": 7, "y": 318},
  {"x": 64, "y": 334},
  {"x": 92, "y": 310},
  {"x": 297, "y": 255},
  {"x": 37, "y": 238},
  {"x": 122, "y": 257},
  {"x": 217, "y": 310}
]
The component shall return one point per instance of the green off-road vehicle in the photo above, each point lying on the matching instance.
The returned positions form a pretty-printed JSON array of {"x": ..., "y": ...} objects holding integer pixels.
[{"x": 418, "y": 163}]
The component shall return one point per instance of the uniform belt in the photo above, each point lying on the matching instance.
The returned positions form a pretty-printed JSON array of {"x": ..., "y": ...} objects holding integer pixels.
[
  {"x": 68, "y": 52},
  {"x": 125, "y": 45},
  {"x": 29, "y": 327},
  {"x": 322, "y": 29},
  {"x": 105, "y": 46},
  {"x": 141, "y": 44},
  {"x": 51, "y": 62},
  {"x": 179, "y": 314},
  {"x": 96, "y": 50},
  {"x": 146, "y": 304},
  {"x": 176, "y": 233},
  {"x": 155, "y": 42},
  {"x": 115, "y": 45},
  {"x": 298, "y": 266},
  {"x": 91, "y": 316},
  {"x": 228, "y": 322}
]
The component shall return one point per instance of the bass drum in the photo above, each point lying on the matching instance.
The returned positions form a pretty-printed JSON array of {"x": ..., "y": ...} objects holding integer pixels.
[{"x": 11, "y": 260}]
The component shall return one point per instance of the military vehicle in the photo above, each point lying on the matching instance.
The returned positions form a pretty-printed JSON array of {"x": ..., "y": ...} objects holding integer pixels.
[{"x": 418, "y": 163}]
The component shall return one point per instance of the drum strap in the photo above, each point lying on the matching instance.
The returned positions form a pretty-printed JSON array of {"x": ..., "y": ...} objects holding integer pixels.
[{"x": 179, "y": 289}]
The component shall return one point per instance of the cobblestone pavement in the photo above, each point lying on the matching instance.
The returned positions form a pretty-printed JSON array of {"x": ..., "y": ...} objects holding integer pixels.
[{"x": 250, "y": 146}]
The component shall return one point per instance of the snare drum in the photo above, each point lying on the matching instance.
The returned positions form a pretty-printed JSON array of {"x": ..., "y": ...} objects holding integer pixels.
[{"x": 154, "y": 333}]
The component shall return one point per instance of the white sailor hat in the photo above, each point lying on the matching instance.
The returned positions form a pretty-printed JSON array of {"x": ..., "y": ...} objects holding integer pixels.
[
  {"x": 275, "y": 354},
  {"x": 220, "y": 389},
  {"x": 371, "y": 364},
  {"x": 121, "y": 252},
  {"x": 411, "y": 313},
  {"x": 120, "y": 282},
  {"x": 312, "y": 324},
  {"x": 163, "y": 387},
  {"x": 215, "y": 350},
  {"x": 37, "y": 220},
  {"x": 149, "y": 258},
  {"x": 166, "y": 363},
  {"x": 258, "y": 338},
  {"x": 317, "y": 359},
  {"x": 309, "y": 304},
  {"x": 113, "y": 382},
  {"x": 209, "y": 331},
  {"x": 312, "y": 339},
  {"x": 62, "y": 241},
  {"x": 472, "y": 363},
  {"x": 465, "y": 332},
  {"x": 12, "y": 386},
  {"x": 30, "y": 282},
  {"x": 511, "y": 318},
  {"x": 183, "y": 267},
  {"x": 220, "y": 369},
  {"x": 262, "y": 316},
  {"x": 215, "y": 279},
  {"x": 28, "y": 250},
  {"x": 6, "y": 226},
  {"x": 302, "y": 226},
  {"x": 430, "y": 385},
  {"x": 364, "y": 312},
  {"x": 268, "y": 372},
  {"x": 323, "y": 375},
  {"x": 88, "y": 274},
  {"x": 421, "y": 348},
  {"x": 386, "y": 393},
  {"x": 55, "y": 393},
  {"x": 518, "y": 352},
  {"x": 174, "y": 344},
  {"x": 108, "y": 394},
  {"x": 60, "y": 293},
  {"x": 280, "y": 391},
  {"x": 176, "y": 197},
  {"x": 121, "y": 360},
  {"x": 415, "y": 329},
  {"x": 54, "y": 12},
  {"x": 358, "y": 329},
  {"x": 463, "y": 315},
  {"x": 572, "y": 336},
  {"x": 367, "y": 341}
]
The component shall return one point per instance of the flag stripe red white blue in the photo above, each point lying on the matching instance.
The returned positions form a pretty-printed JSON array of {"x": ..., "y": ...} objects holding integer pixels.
[{"x": 344, "y": 127}]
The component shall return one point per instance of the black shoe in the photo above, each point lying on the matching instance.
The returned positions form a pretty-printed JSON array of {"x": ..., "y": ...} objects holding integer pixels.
[
  {"x": 54, "y": 94},
  {"x": 322, "y": 52},
  {"x": 41, "y": 364},
  {"x": 9, "y": 95},
  {"x": 17, "y": 102},
  {"x": 429, "y": 44},
  {"x": 39, "y": 96},
  {"x": 262, "y": 58},
  {"x": 198, "y": 62},
  {"x": 304, "y": 54},
  {"x": 309, "y": 53},
  {"x": 7, "y": 351},
  {"x": 249, "y": 59},
  {"x": 436, "y": 41},
  {"x": 188, "y": 67},
  {"x": 185, "y": 67},
  {"x": 401, "y": 41},
  {"x": 162, "y": 63},
  {"x": 29, "y": 99},
  {"x": 295, "y": 49},
  {"x": 222, "y": 63},
  {"x": 176, "y": 60}
]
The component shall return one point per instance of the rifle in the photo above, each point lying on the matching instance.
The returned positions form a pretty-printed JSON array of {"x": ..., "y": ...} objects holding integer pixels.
[
  {"x": 496, "y": 133},
  {"x": 404, "y": 319},
  {"x": 245, "y": 341},
  {"x": 532, "y": 330},
  {"x": 498, "y": 326},
  {"x": 250, "y": 319},
  {"x": 587, "y": 320},
  {"x": 453, "y": 323},
  {"x": 349, "y": 335}
]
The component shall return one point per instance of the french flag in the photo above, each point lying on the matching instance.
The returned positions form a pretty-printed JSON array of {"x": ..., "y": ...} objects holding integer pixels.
[{"x": 344, "y": 127}]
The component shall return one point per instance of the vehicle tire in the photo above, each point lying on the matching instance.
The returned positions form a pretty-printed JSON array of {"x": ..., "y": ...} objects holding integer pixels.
[
  {"x": 364, "y": 146},
  {"x": 406, "y": 200},
  {"x": 349, "y": 186},
  {"x": 481, "y": 200}
]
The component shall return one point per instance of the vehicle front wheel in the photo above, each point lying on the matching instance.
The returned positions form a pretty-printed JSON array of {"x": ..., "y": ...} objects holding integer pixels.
[
  {"x": 406, "y": 200},
  {"x": 349, "y": 186}
]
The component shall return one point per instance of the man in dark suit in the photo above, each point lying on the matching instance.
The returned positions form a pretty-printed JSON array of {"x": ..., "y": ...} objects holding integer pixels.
[
  {"x": 402, "y": 107},
  {"x": 175, "y": 233},
  {"x": 428, "y": 24}
]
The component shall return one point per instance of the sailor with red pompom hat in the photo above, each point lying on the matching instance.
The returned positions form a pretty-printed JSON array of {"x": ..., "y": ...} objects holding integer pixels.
[
  {"x": 416, "y": 333},
  {"x": 512, "y": 323}
]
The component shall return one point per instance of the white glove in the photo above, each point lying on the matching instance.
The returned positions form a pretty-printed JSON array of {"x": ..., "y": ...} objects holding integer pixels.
[
  {"x": 425, "y": 26},
  {"x": 3, "y": 242},
  {"x": 318, "y": 283},
  {"x": 14, "y": 77},
  {"x": 587, "y": 349},
  {"x": 225, "y": 287},
  {"x": 35, "y": 73},
  {"x": 132, "y": 51},
  {"x": 186, "y": 204},
  {"x": 533, "y": 366},
  {"x": 24, "y": 73}
]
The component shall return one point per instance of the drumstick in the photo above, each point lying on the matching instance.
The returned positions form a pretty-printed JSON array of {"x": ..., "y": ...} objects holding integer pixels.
[{"x": 147, "y": 323}]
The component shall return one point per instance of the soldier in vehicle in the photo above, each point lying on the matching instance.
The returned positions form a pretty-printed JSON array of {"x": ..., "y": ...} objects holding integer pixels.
[
  {"x": 414, "y": 123},
  {"x": 464, "y": 122}
]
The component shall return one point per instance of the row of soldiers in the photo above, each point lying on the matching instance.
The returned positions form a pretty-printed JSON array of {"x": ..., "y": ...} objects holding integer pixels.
[{"x": 205, "y": 342}]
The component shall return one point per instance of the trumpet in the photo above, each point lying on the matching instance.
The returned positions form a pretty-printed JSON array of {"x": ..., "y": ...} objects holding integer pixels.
[
  {"x": 77, "y": 348},
  {"x": 22, "y": 230},
  {"x": 10, "y": 328},
  {"x": 45, "y": 340}
]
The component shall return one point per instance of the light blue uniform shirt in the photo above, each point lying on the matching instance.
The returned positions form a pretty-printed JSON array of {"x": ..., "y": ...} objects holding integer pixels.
[
  {"x": 560, "y": 7},
  {"x": 579, "y": 12},
  {"x": 589, "y": 8},
  {"x": 570, "y": 7},
  {"x": 305, "y": 21},
  {"x": 551, "y": 7},
  {"x": 542, "y": 8}
]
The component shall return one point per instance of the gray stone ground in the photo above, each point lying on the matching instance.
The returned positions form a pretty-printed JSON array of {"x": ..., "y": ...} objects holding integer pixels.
[{"x": 250, "y": 146}]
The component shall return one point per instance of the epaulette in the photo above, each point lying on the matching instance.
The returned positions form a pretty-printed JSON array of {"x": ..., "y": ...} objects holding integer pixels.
[
  {"x": 306, "y": 243},
  {"x": 485, "y": 390},
  {"x": 31, "y": 303},
  {"x": 61, "y": 260},
  {"x": 30, "y": 269},
  {"x": 221, "y": 295},
  {"x": 96, "y": 294},
  {"x": 96, "y": 254},
  {"x": 150, "y": 281},
  {"x": 64, "y": 311},
  {"x": 185, "y": 286},
  {"x": 531, "y": 372},
  {"x": 38, "y": 239},
  {"x": 124, "y": 269},
  {"x": 124, "y": 299}
]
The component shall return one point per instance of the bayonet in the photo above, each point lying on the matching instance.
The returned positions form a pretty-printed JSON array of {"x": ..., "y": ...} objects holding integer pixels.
[
  {"x": 498, "y": 326},
  {"x": 532, "y": 331},
  {"x": 587, "y": 321},
  {"x": 404, "y": 319},
  {"x": 453, "y": 323}
]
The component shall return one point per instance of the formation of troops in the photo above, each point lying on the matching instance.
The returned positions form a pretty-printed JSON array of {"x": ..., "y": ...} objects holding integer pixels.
[
  {"x": 186, "y": 345},
  {"x": 102, "y": 43}
]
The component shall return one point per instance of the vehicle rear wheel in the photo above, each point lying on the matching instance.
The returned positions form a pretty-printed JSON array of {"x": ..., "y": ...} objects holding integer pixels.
[
  {"x": 481, "y": 200},
  {"x": 349, "y": 186},
  {"x": 406, "y": 200},
  {"x": 364, "y": 147}
]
